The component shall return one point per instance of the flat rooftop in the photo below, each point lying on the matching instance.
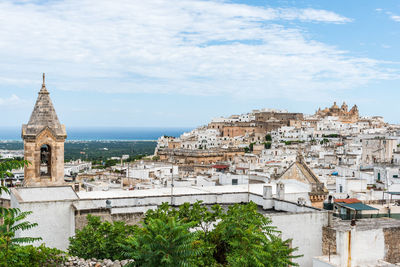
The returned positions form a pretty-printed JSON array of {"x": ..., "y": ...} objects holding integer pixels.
[
  {"x": 37, "y": 194},
  {"x": 365, "y": 224},
  {"x": 189, "y": 190}
]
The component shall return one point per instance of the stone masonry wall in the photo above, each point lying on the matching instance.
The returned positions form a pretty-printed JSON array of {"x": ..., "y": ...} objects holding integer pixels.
[
  {"x": 76, "y": 261},
  {"x": 392, "y": 244},
  {"x": 328, "y": 241},
  {"x": 105, "y": 215},
  {"x": 81, "y": 220}
]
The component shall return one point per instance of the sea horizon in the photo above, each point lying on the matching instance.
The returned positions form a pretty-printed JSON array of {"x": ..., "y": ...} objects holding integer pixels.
[{"x": 103, "y": 133}]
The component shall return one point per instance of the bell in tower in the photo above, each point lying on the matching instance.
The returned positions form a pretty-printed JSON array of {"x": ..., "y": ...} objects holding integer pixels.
[{"x": 44, "y": 139}]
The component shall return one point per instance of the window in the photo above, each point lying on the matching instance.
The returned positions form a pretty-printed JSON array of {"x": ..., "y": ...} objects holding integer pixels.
[{"x": 234, "y": 181}]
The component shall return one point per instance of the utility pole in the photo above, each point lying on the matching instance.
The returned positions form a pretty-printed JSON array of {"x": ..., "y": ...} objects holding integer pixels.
[
  {"x": 248, "y": 183},
  {"x": 172, "y": 183},
  {"x": 172, "y": 180}
]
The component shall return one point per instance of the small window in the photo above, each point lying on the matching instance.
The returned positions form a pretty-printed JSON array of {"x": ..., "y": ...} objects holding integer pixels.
[{"x": 234, "y": 181}]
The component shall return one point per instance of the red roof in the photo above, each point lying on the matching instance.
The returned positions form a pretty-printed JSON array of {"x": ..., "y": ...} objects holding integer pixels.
[
  {"x": 347, "y": 200},
  {"x": 220, "y": 166}
]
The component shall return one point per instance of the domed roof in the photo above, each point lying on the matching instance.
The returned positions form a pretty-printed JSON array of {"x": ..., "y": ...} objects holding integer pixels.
[{"x": 334, "y": 106}]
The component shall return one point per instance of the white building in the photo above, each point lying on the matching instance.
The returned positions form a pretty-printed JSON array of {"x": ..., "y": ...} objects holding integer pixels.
[{"x": 59, "y": 210}]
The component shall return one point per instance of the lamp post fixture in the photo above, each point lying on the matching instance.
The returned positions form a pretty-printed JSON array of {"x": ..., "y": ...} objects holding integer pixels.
[{"x": 108, "y": 204}]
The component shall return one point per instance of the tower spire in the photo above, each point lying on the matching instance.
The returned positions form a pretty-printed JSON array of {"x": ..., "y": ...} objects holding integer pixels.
[{"x": 43, "y": 90}]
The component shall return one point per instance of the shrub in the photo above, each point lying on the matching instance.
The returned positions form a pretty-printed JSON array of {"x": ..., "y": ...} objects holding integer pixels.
[
  {"x": 167, "y": 242},
  {"x": 101, "y": 240},
  {"x": 22, "y": 256}
]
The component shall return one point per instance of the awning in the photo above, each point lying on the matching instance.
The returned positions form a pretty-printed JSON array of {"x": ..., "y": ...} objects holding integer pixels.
[{"x": 356, "y": 206}]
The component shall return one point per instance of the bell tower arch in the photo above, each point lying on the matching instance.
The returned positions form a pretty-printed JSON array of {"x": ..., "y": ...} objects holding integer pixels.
[{"x": 44, "y": 139}]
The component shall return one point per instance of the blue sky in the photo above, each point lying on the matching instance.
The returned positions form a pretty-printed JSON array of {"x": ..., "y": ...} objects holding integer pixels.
[{"x": 182, "y": 62}]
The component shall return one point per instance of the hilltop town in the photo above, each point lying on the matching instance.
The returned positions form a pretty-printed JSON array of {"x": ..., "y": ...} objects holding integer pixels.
[
  {"x": 196, "y": 133},
  {"x": 347, "y": 153},
  {"x": 314, "y": 176}
]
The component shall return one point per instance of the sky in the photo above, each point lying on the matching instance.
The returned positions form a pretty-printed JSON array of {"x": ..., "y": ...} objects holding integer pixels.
[{"x": 180, "y": 63}]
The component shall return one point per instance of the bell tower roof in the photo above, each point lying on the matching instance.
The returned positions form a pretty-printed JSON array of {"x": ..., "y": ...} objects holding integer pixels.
[{"x": 43, "y": 116}]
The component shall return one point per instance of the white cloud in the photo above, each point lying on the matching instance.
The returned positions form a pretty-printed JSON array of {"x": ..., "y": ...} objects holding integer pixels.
[
  {"x": 395, "y": 18},
  {"x": 177, "y": 46},
  {"x": 13, "y": 100}
]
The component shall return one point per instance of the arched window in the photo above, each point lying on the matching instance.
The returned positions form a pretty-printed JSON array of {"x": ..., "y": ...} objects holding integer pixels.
[{"x": 45, "y": 160}]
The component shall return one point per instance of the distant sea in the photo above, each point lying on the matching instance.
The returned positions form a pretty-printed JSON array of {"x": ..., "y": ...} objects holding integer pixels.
[{"x": 103, "y": 133}]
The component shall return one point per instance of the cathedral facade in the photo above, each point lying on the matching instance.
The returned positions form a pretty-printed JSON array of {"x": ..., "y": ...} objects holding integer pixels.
[{"x": 344, "y": 115}]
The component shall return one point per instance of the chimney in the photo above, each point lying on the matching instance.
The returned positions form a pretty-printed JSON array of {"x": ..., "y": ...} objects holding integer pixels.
[{"x": 280, "y": 191}]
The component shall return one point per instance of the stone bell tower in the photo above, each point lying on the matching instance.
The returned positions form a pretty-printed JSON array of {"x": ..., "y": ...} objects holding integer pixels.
[{"x": 44, "y": 138}]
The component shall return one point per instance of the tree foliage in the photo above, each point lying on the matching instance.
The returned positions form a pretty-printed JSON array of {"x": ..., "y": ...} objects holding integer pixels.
[
  {"x": 22, "y": 256},
  {"x": 267, "y": 145},
  {"x": 6, "y": 166},
  {"x": 244, "y": 237},
  {"x": 101, "y": 240},
  {"x": 199, "y": 235},
  {"x": 165, "y": 242}
]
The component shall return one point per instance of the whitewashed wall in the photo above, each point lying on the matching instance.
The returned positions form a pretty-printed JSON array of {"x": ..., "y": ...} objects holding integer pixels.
[
  {"x": 306, "y": 231},
  {"x": 56, "y": 222}
]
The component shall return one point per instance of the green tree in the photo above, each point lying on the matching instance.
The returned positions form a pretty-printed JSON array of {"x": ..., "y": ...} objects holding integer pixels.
[
  {"x": 101, "y": 240},
  {"x": 195, "y": 235},
  {"x": 13, "y": 221},
  {"x": 6, "y": 166},
  {"x": 244, "y": 237},
  {"x": 23, "y": 256},
  {"x": 163, "y": 242},
  {"x": 251, "y": 147},
  {"x": 267, "y": 145},
  {"x": 324, "y": 141},
  {"x": 268, "y": 138},
  {"x": 111, "y": 162},
  {"x": 203, "y": 219},
  {"x": 240, "y": 236}
]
